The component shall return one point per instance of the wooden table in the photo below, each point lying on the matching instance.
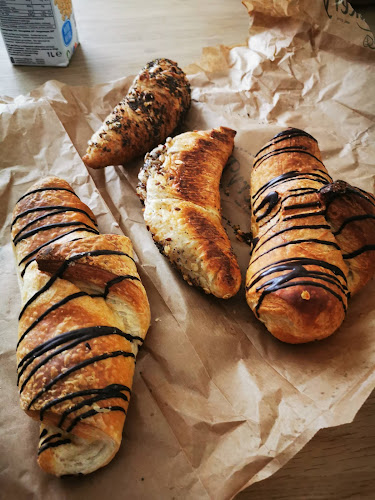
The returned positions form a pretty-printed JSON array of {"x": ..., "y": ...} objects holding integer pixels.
[{"x": 116, "y": 38}]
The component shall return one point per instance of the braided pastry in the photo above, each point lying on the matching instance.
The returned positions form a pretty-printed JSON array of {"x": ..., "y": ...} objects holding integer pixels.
[{"x": 84, "y": 315}]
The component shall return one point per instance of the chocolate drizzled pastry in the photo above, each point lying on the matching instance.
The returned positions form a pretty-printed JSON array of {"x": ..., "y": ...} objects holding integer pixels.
[
  {"x": 84, "y": 315},
  {"x": 314, "y": 240}
]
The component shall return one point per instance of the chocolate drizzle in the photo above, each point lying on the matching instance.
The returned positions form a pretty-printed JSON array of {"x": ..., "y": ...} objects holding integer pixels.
[
  {"x": 116, "y": 280},
  {"x": 286, "y": 134},
  {"x": 304, "y": 215},
  {"x": 110, "y": 391},
  {"x": 101, "y": 395},
  {"x": 294, "y": 228},
  {"x": 93, "y": 412},
  {"x": 78, "y": 366},
  {"x": 36, "y": 250},
  {"x": 59, "y": 209},
  {"x": 293, "y": 132},
  {"x": 355, "y": 218},
  {"x": 75, "y": 337},
  {"x": 26, "y": 266},
  {"x": 271, "y": 200},
  {"x": 43, "y": 433},
  {"x": 55, "y": 306},
  {"x": 340, "y": 189},
  {"x": 297, "y": 242},
  {"x": 59, "y": 273},
  {"x": 312, "y": 204},
  {"x": 297, "y": 271},
  {"x": 49, "y": 438},
  {"x": 40, "y": 190},
  {"x": 305, "y": 261},
  {"x": 73, "y": 296},
  {"x": 311, "y": 191},
  {"x": 359, "y": 251},
  {"x": 290, "y": 176},
  {"x": 287, "y": 149},
  {"x": 294, "y": 270},
  {"x": 32, "y": 232}
]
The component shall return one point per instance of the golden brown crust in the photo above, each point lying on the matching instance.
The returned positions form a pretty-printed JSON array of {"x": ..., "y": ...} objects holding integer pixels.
[
  {"x": 35, "y": 205},
  {"x": 294, "y": 244},
  {"x": 197, "y": 178},
  {"x": 179, "y": 185},
  {"x": 154, "y": 106},
  {"x": 85, "y": 313},
  {"x": 350, "y": 212},
  {"x": 301, "y": 272}
]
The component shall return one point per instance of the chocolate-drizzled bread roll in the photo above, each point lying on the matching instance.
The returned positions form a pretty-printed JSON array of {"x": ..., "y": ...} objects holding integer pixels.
[
  {"x": 179, "y": 185},
  {"x": 313, "y": 240},
  {"x": 84, "y": 315},
  {"x": 154, "y": 106}
]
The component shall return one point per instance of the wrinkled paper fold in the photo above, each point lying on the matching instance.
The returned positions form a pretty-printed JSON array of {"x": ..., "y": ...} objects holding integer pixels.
[{"x": 218, "y": 402}]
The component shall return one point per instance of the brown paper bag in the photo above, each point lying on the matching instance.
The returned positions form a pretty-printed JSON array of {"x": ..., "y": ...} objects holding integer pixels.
[{"x": 218, "y": 402}]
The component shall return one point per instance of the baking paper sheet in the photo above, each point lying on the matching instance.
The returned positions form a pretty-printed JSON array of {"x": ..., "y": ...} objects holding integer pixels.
[{"x": 218, "y": 402}]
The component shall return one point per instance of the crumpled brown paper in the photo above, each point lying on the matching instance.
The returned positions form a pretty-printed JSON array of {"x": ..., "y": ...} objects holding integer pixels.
[{"x": 218, "y": 402}]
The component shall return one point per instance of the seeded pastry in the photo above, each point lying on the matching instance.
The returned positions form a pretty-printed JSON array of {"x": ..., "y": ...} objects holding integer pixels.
[
  {"x": 85, "y": 313},
  {"x": 154, "y": 106},
  {"x": 314, "y": 240},
  {"x": 179, "y": 185}
]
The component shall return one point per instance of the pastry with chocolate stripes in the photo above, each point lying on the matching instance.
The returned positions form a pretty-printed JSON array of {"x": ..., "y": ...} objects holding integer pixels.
[
  {"x": 84, "y": 315},
  {"x": 314, "y": 240}
]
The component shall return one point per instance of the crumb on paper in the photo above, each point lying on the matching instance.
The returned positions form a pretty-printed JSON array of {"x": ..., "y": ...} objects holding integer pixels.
[
  {"x": 242, "y": 236},
  {"x": 157, "y": 319}
]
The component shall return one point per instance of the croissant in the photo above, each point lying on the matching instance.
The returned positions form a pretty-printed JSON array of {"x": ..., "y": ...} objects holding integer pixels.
[
  {"x": 179, "y": 185},
  {"x": 313, "y": 240},
  {"x": 85, "y": 313},
  {"x": 154, "y": 106}
]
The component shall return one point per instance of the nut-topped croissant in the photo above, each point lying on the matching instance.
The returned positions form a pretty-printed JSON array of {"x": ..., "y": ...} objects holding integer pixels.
[
  {"x": 154, "y": 106},
  {"x": 179, "y": 185},
  {"x": 84, "y": 315},
  {"x": 313, "y": 240}
]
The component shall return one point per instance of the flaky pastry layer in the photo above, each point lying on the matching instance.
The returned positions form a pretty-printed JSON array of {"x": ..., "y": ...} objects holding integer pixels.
[
  {"x": 179, "y": 185},
  {"x": 85, "y": 313}
]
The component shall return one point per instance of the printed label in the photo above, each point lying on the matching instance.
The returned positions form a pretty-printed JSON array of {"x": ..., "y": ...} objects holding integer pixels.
[
  {"x": 38, "y": 32},
  {"x": 344, "y": 12}
]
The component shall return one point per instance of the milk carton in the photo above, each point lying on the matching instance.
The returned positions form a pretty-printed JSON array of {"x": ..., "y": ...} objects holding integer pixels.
[{"x": 38, "y": 32}]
